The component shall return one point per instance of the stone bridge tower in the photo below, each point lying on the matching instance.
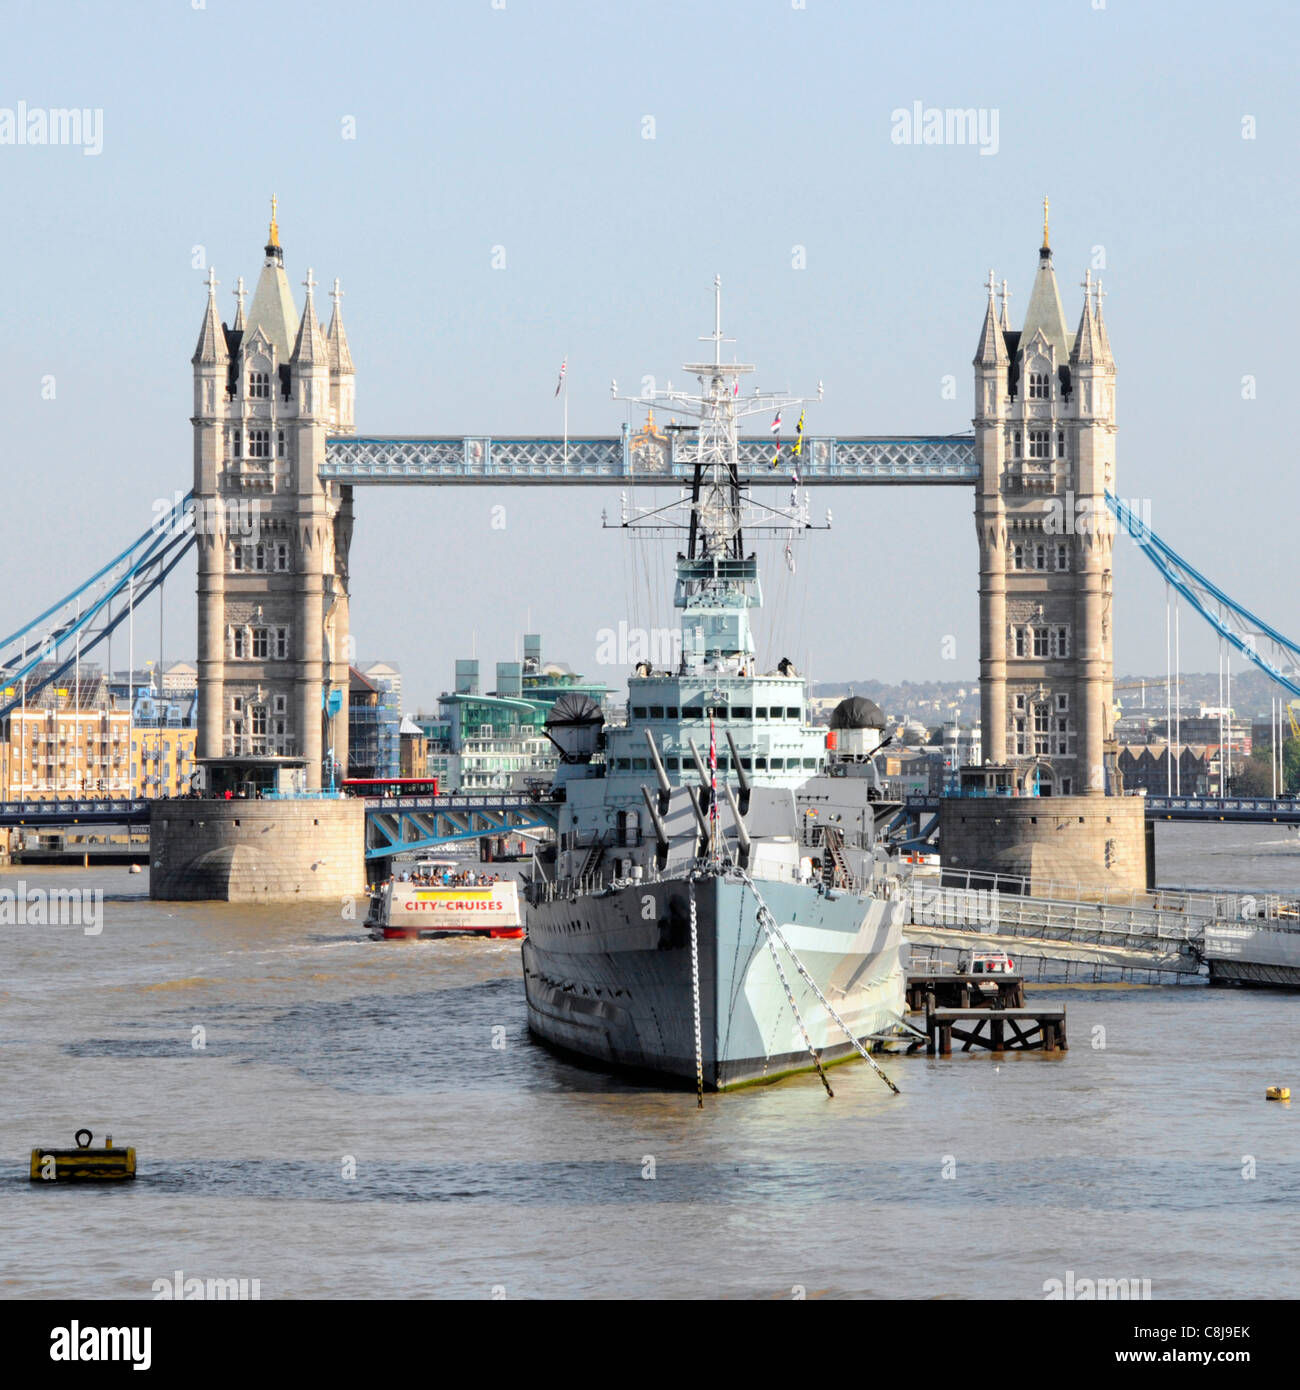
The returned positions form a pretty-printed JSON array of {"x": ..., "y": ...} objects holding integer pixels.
[
  {"x": 272, "y": 538},
  {"x": 1045, "y": 443}
]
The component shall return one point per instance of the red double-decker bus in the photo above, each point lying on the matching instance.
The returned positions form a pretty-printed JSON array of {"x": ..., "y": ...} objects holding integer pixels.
[{"x": 390, "y": 786}]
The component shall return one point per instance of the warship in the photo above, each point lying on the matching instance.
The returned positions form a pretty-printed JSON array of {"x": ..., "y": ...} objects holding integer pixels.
[{"x": 718, "y": 908}]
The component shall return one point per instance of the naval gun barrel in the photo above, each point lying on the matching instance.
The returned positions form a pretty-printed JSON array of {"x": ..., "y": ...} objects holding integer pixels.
[
  {"x": 742, "y": 776},
  {"x": 699, "y": 765},
  {"x": 695, "y": 803},
  {"x": 661, "y": 831},
  {"x": 742, "y": 830},
  {"x": 665, "y": 786}
]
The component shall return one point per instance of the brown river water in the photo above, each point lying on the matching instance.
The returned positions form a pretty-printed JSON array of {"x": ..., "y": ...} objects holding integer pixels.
[{"x": 371, "y": 1120}]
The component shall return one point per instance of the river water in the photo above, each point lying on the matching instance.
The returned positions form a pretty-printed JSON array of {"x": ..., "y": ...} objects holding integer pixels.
[{"x": 371, "y": 1120}]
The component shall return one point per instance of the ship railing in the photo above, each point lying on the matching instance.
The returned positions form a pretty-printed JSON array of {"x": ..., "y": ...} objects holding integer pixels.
[
  {"x": 814, "y": 837},
  {"x": 567, "y": 889},
  {"x": 552, "y": 890},
  {"x": 929, "y": 965}
]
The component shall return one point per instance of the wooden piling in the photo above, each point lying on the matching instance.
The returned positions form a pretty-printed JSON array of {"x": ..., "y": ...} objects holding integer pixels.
[{"x": 995, "y": 1030}]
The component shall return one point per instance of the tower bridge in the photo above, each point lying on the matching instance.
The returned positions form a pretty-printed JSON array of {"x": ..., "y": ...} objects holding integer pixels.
[
  {"x": 275, "y": 439},
  {"x": 274, "y": 420}
]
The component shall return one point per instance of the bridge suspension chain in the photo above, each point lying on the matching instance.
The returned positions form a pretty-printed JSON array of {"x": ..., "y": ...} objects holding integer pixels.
[
  {"x": 1266, "y": 648},
  {"x": 137, "y": 571}
]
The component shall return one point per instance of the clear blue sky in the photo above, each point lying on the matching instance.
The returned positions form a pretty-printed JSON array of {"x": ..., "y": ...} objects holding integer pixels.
[{"x": 523, "y": 127}]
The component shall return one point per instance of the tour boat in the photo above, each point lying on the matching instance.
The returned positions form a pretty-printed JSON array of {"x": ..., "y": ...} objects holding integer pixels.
[{"x": 423, "y": 908}]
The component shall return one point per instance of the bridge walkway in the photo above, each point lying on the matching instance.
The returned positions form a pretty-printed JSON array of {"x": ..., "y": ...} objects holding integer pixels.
[{"x": 1164, "y": 930}]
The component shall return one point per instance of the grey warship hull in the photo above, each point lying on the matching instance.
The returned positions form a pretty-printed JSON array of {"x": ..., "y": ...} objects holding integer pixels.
[{"x": 608, "y": 976}]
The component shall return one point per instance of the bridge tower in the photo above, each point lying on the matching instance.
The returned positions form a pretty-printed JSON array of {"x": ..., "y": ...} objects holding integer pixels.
[
  {"x": 272, "y": 538},
  {"x": 1045, "y": 444}
]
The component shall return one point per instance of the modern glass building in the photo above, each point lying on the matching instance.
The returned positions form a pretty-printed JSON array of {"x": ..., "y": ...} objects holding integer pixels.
[{"x": 497, "y": 741}]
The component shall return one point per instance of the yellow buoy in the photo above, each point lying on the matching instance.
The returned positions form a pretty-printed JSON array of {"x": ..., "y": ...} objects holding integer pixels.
[
  {"x": 100, "y": 1165},
  {"x": 1278, "y": 1093}
]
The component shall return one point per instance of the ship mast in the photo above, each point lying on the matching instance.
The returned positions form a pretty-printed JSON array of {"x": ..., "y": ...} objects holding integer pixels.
[
  {"x": 716, "y": 508},
  {"x": 716, "y": 580}
]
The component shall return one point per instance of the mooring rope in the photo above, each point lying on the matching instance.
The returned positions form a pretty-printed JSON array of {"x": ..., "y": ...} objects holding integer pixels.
[
  {"x": 768, "y": 923},
  {"x": 695, "y": 990},
  {"x": 798, "y": 1017}
]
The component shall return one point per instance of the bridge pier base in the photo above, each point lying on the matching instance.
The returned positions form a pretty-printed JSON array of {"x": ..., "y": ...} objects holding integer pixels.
[
  {"x": 259, "y": 850},
  {"x": 1091, "y": 842}
]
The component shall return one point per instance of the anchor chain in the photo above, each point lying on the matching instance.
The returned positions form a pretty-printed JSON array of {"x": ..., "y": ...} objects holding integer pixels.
[
  {"x": 769, "y": 925},
  {"x": 695, "y": 991},
  {"x": 798, "y": 1017}
]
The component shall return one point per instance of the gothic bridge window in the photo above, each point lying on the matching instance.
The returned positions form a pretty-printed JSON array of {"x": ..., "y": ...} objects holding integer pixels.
[
  {"x": 1041, "y": 642},
  {"x": 1038, "y": 555},
  {"x": 259, "y": 385},
  {"x": 261, "y": 643},
  {"x": 259, "y": 556}
]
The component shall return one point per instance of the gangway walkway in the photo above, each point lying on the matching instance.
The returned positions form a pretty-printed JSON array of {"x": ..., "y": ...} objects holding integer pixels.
[{"x": 1162, "y": 931}]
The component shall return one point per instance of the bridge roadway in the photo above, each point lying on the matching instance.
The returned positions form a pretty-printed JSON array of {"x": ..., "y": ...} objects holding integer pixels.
[
  {"x": 1262, "y": 809},
  {"x": 394, "y": 825},
  {"x": 402, "y": 824}
]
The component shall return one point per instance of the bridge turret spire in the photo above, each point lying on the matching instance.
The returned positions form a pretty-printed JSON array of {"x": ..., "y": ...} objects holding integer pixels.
[
  {"x": 339, "y": 353},
  {"x": 1045, "y": 312},
  {"x": 309, "y": 350},
  {"x": 1106, "y": 358},
  {"x": 211, "y": 347},
  {"x": 272, "y": 310},
  {"x": 273, "y": 236},
  {"x": 1087, "y": 351},
  {"x": 992, "y": 349},
  {"x": 342, "y": 372}
]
